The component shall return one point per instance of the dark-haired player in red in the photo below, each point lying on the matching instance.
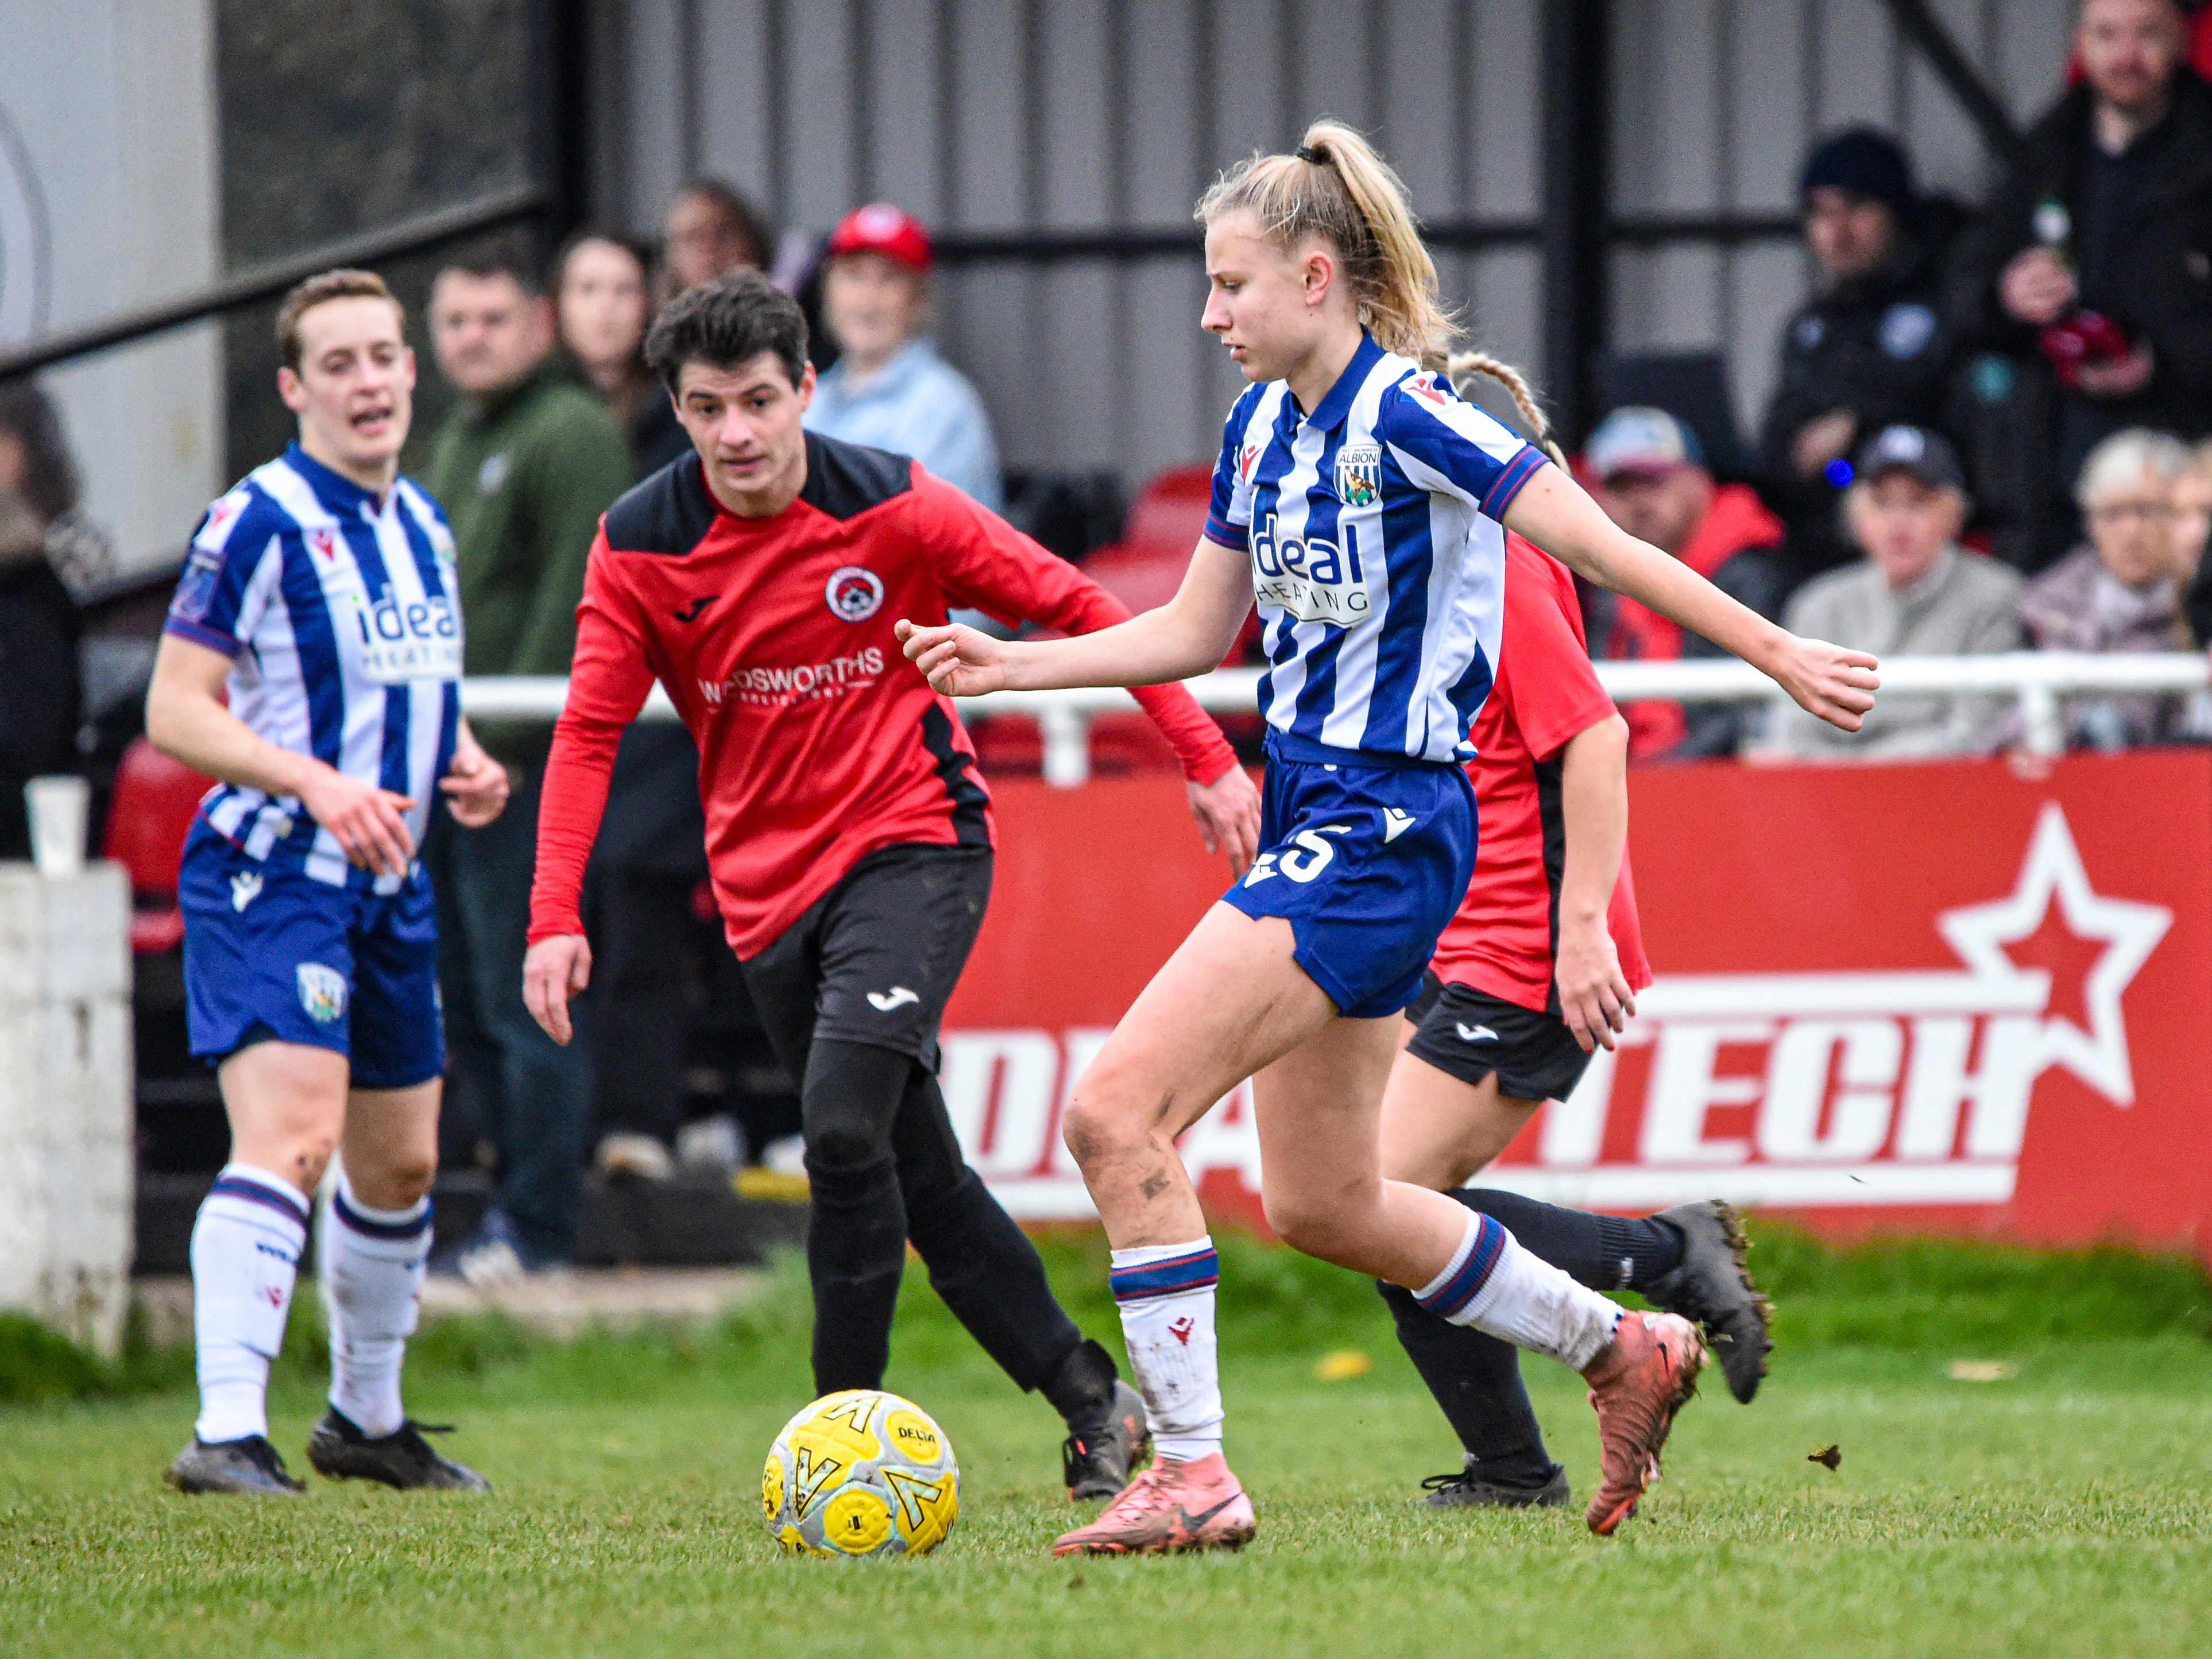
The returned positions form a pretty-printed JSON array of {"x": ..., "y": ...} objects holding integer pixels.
[
  {"x": 848, "y": 832},
  {"x": 1541, "y": 966}
]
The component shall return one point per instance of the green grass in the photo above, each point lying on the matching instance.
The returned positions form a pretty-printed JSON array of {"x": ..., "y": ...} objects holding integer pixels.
[{"x": 2065, "y": 1510}]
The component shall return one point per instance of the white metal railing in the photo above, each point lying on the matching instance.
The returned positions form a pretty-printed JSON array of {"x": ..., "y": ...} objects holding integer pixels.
[{"x": 2035, "y": 680}]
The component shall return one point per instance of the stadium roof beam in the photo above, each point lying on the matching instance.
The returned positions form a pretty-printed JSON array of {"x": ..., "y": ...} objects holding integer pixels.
[
  {"x": 1918, "y": 22},
  {"x": 266, "y": 281},
  {"x": 1576, "y": 226}
]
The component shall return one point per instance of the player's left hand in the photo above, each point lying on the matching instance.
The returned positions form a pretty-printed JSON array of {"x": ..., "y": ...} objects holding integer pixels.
[
  {"x": 1594, "y": 995},
  {"x": 476, "y": 788},
  {"x": 1826, "y": 680},
  {"x": 1228, "y": 814}
]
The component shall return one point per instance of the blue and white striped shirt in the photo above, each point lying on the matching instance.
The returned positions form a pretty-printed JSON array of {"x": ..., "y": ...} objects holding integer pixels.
[
  {"x": 1378, "y": 553},
  {"x": 342, "y": 618}
]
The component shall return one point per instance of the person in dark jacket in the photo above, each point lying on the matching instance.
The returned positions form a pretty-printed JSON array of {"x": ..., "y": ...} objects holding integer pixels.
[
  {"x": 40, "y": 627},
  {"x": 603, "y": 300},
  {"x": 525, "y": 465},
  {"x": 1869, "y": 351},
  {"x": 2095, "y": 253}
]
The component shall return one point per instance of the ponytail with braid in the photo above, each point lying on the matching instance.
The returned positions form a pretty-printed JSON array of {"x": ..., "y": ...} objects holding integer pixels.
[
  {"x": 1464, "y": 365},
  {"x": 1337, "y": 188}
]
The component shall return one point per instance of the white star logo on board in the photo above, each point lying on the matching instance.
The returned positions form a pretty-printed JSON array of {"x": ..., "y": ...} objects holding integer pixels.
[{"x": 1979, "y": 933}]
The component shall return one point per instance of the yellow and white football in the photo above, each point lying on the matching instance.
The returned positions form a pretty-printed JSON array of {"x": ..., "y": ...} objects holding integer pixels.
[{"x": 860, "y": 1472}]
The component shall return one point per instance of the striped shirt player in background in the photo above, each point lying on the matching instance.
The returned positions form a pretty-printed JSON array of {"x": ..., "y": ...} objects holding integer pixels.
[
  {"x": 1364, "y": 504},
  {"x": 1540, "y": 969},
  {"x": 319, "y": 604}
]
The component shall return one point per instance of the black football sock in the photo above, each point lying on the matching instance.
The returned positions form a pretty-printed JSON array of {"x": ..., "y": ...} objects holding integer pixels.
[
  {"x": 1082, "y": 1389},
  {"x": 1604, "y": 1252},
  {"x": 857, "y": 1226},
  {"x": 1476, "y": 1379},
  {"x": 980, "y": 1263}
]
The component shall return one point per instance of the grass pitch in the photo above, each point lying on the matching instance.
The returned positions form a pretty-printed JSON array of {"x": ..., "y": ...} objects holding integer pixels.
[{"x": 2065, "y": 1509}]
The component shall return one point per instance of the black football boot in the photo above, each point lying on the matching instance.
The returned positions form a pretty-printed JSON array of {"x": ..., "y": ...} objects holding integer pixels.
[{"x": 402, "y": 1458}]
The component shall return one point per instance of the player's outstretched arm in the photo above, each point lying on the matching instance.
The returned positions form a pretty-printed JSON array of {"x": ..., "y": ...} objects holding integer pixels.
[
  {"x": 1554, "y": 512},
  {"x": 185, "y": 720},
  {"x": 1189, "y": 634},
  {"x": 1595, "y": 999}
]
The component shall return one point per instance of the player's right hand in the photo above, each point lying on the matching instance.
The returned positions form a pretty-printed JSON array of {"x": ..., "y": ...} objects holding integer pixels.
[
  {"x": 957, "y": 661},
  {"x": 555, "y": 970},
  {"x": 1594, "y": 999},
  {"x": 364, "y": 819},
  {"x": 2037, "y": 287},
  {"x": 1826, "y": 680}
]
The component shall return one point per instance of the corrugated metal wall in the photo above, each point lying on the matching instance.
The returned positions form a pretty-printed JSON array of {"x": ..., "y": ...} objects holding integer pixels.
[{"x": 1011, "y": 115}]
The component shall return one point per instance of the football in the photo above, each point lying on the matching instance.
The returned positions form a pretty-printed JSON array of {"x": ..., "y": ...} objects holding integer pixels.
[{"x": 860, "y": 1472}]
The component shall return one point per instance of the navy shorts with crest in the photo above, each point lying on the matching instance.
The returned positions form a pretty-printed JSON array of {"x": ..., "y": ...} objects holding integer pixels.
[{"x": 1367, "y": 857}]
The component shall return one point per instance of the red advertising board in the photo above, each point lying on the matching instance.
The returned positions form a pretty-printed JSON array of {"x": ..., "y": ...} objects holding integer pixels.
[{"x": 1926, "y": 997}]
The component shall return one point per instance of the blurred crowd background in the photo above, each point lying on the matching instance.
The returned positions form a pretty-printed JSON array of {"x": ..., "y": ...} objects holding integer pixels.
[{"x": 1969, "y": 414}]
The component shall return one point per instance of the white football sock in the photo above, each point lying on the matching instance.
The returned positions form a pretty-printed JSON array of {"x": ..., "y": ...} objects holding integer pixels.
[
  {"x": 1165, "y": 1292},
  {"x": 245, "y": 1253},
  {"x": 1494, "y": 1285},
  {"x": 372, "y": 1279}
]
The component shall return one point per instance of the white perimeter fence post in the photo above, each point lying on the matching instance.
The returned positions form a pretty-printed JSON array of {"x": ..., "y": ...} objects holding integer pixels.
[{"x": 66, "y": 1183}]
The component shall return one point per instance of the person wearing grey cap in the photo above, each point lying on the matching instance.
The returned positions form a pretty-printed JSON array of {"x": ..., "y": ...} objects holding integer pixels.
[
  {"x": 1917, "y": 592},
  {"x": 1869, "y": 349}
]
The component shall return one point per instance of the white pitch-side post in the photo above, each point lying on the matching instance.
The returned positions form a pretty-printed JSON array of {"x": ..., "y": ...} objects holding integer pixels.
[{"x": 67, "y": 1179}]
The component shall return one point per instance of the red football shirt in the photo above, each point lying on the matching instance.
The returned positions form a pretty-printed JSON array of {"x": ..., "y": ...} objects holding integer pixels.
[
  {"x": 819, "y": 742},
  {"x": 1505, "y": 937}
]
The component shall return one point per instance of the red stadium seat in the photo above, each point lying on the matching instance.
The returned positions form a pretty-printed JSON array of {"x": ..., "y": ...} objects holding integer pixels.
[
  {"x": 154, "y": 802},
  {"x": 1143, "y": 570}
]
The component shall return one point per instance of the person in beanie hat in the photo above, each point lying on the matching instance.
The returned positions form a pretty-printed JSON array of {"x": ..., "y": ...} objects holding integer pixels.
[
  {"x": 1869, "y": 350},
  {"x": 889, "y": 388}
]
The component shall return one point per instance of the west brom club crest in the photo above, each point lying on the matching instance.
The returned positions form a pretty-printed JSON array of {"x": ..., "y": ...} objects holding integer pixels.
[
  {"x": 322, "y": 992},
  {"x": 1358, "y": 474}
]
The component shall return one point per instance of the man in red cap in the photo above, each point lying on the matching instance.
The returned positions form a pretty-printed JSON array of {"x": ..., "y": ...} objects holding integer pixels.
[{"x": 890, "y": 389}]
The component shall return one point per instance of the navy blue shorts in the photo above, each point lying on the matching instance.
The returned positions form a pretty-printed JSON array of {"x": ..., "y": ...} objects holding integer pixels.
[
  {"x": 272, "y": 953},
  {"x": 1367, "y": 860}
]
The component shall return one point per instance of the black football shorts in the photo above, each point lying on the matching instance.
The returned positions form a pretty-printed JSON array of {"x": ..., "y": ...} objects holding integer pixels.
[
  {"x": 1470, "y": 1034},
  {"x": 875, "y": 958}
]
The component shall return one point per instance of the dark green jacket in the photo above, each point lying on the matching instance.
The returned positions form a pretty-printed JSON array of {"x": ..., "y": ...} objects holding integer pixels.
[{"x": 524, "y": 476}]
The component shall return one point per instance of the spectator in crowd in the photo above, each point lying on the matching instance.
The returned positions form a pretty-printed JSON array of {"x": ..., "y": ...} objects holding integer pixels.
[
  {"x": 1652, "y": 481},
  {"x": 2097, "y": 247},
  {"x": 650, "y": 854},
  {"x": 1869, "y": 351},
  {"x": 2119, "y": 591},
  {"x": 524, "y": 467},
  {"x": 1917, "y": 592},
  {"x": 40, "y": 685},
  {"x": 604, "y": 299},
  {"x": 890, "y": 389},
  {"x": 709, "y": 229},
  {"x": 2192, "y": 530}
]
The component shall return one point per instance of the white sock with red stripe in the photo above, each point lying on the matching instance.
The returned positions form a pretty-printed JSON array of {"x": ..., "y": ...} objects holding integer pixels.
[
  {"x": 1494, "y": 1285},
  {"x": 245, "y": 1253},
  {"x": 1165, "y": 1293}
]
